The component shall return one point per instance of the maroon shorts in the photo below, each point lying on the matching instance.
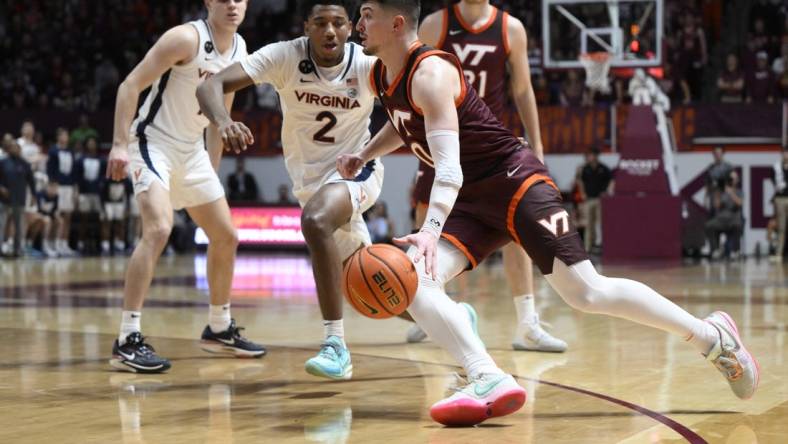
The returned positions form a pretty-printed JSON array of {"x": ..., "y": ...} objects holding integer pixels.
[
  {"x": 423, "y": 186},
  {"x": 518, "y": 204}
]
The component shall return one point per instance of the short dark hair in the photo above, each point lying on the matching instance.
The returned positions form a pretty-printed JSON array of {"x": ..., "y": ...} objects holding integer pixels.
[
  {"x": 307, "y": 6},
  {"x": 594, "y": 150},
  {"x": 410, "y": 8}
]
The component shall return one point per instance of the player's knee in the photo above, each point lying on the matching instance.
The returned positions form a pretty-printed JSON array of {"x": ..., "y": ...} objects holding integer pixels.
[
  {"x": 595, "y": 295},
  {"x": 158, "y": 234},
  {"x": 230, "y": 238},
  {"x": 224, "y": 236},
  {"x": 583, "y": 299},
  {"x": 580, "y": 286},
  {"x": 314, "y": 225}
]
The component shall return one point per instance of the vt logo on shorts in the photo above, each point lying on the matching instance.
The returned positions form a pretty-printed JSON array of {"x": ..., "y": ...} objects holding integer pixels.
[{"x": 558, "y": 223}]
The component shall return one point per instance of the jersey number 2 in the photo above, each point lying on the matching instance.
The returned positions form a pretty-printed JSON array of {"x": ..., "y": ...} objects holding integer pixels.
[{"x": 320, "y": 135}]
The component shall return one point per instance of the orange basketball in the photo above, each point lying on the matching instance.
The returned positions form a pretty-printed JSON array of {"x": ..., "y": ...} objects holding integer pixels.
[{"x": 380, "y": 281}]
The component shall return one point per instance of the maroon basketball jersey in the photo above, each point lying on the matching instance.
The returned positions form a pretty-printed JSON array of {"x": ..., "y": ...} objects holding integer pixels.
[
  {"x": 483, "y": 53},
  {"x": 485, "y": 145}
]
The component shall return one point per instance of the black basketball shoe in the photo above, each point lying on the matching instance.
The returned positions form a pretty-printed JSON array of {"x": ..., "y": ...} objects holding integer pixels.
[
  {"x": 230, "y": 342},
  {"x": 136, "y": 356}
]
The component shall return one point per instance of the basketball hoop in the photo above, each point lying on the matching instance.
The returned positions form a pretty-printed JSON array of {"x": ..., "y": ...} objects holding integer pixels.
[{"x": 597, "y": 66}]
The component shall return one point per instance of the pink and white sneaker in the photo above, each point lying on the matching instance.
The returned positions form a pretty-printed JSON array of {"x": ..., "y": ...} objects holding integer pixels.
[
  {"x": 487, "y": 396},
  {"x": 731, "y": 358}
]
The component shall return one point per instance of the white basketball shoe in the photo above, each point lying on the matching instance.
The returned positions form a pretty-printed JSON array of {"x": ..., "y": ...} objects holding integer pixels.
[{"x": 730, "y": 357}]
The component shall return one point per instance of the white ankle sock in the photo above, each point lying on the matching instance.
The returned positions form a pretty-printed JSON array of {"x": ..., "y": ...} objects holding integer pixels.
[
  {"x": 219, "y": 317},
  {"x": 334, "y": 328},
  {"x": 703, "y": 337},
  {"x": 129, "y": 323},
  {"x": 524, "y": 304}
]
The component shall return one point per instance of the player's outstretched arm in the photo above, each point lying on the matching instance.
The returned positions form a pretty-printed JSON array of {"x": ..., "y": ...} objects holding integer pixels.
[
  {"x": 520, "y": 84},
  {"x": 213, "y": 138},
  {"x": 179, "y": 44},
  {"x": 436, "y": 87},
  {"x": 211, "y": 96}
]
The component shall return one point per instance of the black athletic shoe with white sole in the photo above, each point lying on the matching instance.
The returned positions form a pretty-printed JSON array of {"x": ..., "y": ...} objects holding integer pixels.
[
  {"x": 230, "y": 342},
  {"x": 136, "y": 356}
]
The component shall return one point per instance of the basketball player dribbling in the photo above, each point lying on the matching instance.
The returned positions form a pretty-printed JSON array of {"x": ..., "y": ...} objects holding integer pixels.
[
  {"x": 490, "y": 190},
  {"x": 487, "y": 40},
  {"x": 171, "y": 169},
  {"x": 326, "y": 99}
]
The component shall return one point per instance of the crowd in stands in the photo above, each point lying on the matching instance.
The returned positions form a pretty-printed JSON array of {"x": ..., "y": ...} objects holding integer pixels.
[
  {"x": 68, "y": 54},
  {"x": 56, "y": 201}
]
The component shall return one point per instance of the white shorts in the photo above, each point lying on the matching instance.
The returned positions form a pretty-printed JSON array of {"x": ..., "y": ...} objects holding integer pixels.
[
  {"x": 184, "y": 170},
  {"x": 89, "y": 203},
  {"x": 364, "y": 191},
  {"x": 114, "y": 211},
  {"x": 65, "y": 198}
]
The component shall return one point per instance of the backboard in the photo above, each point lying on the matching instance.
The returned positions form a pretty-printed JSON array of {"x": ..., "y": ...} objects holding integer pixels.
[{"x": 630, "y": 30}]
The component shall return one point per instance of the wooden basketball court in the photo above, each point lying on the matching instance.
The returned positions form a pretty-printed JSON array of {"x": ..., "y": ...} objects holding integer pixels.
[{"x": 618, "y": 382}]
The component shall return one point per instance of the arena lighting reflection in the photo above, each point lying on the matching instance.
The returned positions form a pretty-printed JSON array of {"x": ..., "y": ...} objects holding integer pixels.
[
  {"x": 263, "y": 226},
  {"x": 268, "y": 276}
]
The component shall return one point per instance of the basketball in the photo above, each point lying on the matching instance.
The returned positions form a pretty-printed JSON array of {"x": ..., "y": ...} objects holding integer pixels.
[{"x": 380, "y": 281}]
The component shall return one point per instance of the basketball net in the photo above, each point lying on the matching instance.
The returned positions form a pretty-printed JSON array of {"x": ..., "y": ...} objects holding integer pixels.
[{"x": 597, "y": 66}]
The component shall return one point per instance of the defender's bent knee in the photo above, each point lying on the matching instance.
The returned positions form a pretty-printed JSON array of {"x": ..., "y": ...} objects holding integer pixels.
[{"x": 315, "y": 226}]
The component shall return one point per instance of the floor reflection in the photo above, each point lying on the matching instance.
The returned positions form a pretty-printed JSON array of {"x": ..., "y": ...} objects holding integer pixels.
[
  {"x": 264, "y": 276},
  {"x": 615, "y": 384}
]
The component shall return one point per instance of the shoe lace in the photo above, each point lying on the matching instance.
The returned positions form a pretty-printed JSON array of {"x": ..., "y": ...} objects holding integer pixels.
[
  {"x": 235, "y": 331},
  {"x": 459, "y": 383},
  {"x": 328, "y": 350},
  {"x": 140, "y": 345},
  {"x": 544, "y": 324}
]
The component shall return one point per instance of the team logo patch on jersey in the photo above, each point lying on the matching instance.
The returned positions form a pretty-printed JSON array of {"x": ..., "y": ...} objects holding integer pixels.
[
  {"x": 352, "y": 93},
  {"x": 208, "y": 47},
  {"x": 306, "y": 66}
]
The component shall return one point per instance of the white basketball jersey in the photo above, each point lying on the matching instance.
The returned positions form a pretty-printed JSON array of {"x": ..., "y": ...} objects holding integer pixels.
[
  {"x": 326, "y": 110},
  {"x": 171, "y": 112}
]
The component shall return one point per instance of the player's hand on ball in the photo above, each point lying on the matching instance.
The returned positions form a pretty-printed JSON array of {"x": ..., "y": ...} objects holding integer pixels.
[
  {"x": 348, "y": 165},
  {"x": 117, "y": 162},
  {"x": 236, "y": 136},
  {"x": 426, "y": 244}
]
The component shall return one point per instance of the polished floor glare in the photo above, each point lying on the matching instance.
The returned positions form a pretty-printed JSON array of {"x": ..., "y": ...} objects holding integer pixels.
[{"x": 618, "y": 382}]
